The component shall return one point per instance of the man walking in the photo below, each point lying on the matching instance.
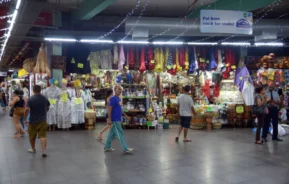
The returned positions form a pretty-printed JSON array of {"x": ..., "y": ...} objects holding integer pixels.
[
  {"x": 185, "y": 110},
  {"x": 273, "y": 102},
  {"x": 38, "y": 105},
  {"x": 114, "y": 119}
]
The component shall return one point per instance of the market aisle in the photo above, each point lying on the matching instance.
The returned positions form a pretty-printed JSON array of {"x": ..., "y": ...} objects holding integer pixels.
[{"x": 223, "y": 156}]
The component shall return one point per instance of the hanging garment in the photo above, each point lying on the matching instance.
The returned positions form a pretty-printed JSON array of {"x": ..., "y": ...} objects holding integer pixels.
[
  {"x": 86, "y": 96},
  {"x": 52, "y": 93},
  {"x": 248, "y": 93},
  {"x": 220, "y": 61},
  {"x": 76, "y": 61},
  {"x": 77, "y": 109},
  {"x": 230, "y": 61},
  {"x": 174, "y": 69},
  {"x": 187, "y": 61},
  {"x": 142, "y": 61},
  {"x": 115, "y": 55},
  {"x": 94, "y": 60},
  {"x": 64, "y": 110},
  {"x": 131, "y": 58},
  {"x": 178, "y": 66},
  {"x": 182, "y": 57},
  {"x": 169, "y": 61},
  {"x": 157, "y": 59},
  {"x": 193, "y": 62},
  {"x": 106, "y": 59},
  {"x": 216, "y": 90},
  {"x": 240, "y": 77},
  {"x": 150, "y": 59},
  {"x": 213, "y": 64},
  {"x": 71, "y": 92},
  {"x": 121, "y": 58}
]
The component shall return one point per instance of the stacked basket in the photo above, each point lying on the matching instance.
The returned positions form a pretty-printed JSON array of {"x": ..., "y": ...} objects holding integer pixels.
[{"x": 198, "y": 122}]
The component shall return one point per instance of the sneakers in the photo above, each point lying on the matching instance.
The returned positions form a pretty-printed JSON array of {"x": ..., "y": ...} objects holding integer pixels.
[
  {"x": 109, "y": 149},
  {"x": 30, "y": 150},
  {"x": 44, "y": 155},
  {"x": 130, "y": 150}
]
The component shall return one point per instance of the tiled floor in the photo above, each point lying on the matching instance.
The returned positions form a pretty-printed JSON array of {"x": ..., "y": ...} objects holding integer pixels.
[{"x": 76, "y": 157}]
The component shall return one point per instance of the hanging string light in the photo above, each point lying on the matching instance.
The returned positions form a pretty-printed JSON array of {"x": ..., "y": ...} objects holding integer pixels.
[
  {"x": 136, "y": 23},
  {"x": 122, "y": 22},
  {"x": 4, "y": 1}
]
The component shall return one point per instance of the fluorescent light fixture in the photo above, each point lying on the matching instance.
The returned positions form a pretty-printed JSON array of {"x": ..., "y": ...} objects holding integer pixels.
[
  {"x": 18, "y": 4},
  {"x": 236, "y": 43},
  {"x": 60, "y": 39},
  {"x": 202, "y": 43},
  {"x": 168, "y": 43},
  {"x": 273, "y": 44},
  {"x": 133, "y": 42},
  {"x": 11, "y": 70},
  {"x": 95, "y": 41}
]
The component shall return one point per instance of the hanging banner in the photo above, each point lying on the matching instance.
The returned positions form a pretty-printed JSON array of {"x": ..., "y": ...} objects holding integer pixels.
[
  {"x": 223, "y": 21},
  {"x": 3, "y": 74}
]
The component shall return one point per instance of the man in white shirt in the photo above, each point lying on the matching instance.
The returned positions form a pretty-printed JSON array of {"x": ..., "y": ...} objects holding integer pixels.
[{"x": 185, "y": 111}]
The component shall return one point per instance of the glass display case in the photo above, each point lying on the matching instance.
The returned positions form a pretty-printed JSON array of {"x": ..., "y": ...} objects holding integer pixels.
[{"x": 100, "y": 108}]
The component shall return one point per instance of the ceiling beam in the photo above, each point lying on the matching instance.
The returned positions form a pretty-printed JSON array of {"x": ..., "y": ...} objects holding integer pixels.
[
  {"x": 90, "y": 8},
  {"x": 245, "y": 5}
]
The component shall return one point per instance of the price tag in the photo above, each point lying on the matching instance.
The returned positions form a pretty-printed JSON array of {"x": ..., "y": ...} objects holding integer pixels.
[
  {"x": 52, "y": 101},
  {"x": 64, "y": 97},
  {"x": 126, "y": 67},
  {"x": 241, "y": 78},
  {"x": 106, "y": 84},
  {"x": 80, "y": 65},
  {"x": 169, "y": 67},
  {"x": 147, "y": 96},
  {"x": 78, "y": 101},
  {"x": 187, "y": 63},
  {"x": 239, "y": 109},
  {"x": 175, "y": 66},
  {"x": 152, "y": 61},
  {"x": 73, "y": 60},
  {"x": 150, "y": 110},
  {"x": 56, "y": 82}
]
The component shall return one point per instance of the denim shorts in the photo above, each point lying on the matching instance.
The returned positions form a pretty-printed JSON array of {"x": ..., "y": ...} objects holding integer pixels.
[{"x": 186, "y": 121}]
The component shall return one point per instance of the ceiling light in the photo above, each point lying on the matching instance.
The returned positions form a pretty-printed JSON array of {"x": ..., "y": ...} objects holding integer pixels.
[
  {"x": 95, "y": 41},
  {"x": 18, "y": 4},
  {"x": 11, "y": 70},
  {"x": 168, "y": 43},
  {"x": 60, "y": 39},
  {"x": 202, "y": 43},
  {"x": 133, "y": 42},
  {"x": 273, "y": 44},
  {"x": 236, "y": 43}
]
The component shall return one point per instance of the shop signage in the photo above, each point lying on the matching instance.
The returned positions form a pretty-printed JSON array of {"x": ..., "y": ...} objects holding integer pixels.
[
  {"x": 3, "y": 74},
  {"x": 222, "y": 21}
]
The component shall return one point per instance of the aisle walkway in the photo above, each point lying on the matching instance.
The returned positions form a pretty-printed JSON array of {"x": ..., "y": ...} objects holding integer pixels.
[{"x": 76, "y": 157}]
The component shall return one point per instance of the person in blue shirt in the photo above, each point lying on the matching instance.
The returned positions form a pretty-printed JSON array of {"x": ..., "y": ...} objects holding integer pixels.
[
  {"x": 114, "y": 120},
  {"x": 273, "y": 102}
]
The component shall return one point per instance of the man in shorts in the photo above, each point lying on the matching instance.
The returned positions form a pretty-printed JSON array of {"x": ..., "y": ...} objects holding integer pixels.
[
  {"x": 38, "y": 105},
  {"x": 185, "y": 111}
]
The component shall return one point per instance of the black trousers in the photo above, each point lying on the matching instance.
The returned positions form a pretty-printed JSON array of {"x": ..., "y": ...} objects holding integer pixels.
[
  {"x": 273, "y": 115},
  {"x": 260, "y": 125}
]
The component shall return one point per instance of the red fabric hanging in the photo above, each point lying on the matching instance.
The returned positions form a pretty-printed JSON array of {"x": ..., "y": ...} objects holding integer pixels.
[
  {"x": 131, "y": 57},
  {"x": 229, "y": 61},
  {"x": 216, "y": 92},
  {"x": 142, "y": 61},
  {"x": 173, "y": 71},
  {"x": 206, "y": 88},
  {"x": 150, "y": 57}
]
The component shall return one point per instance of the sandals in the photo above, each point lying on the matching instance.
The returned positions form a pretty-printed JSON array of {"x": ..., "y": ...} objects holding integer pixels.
[
  {"x": 177, "y": 139},
  {"x": 187, "y": 140},
  {"x": 259, "y": 142}
]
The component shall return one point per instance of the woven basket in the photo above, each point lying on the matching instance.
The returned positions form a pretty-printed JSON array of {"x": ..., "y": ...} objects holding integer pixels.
[
  {"x": 209, "y": 126},
  {"x": 217, "y": 125},
  {"x": 29, "y": 64},
  {"x": 151, "y": 117},
  {"x": 208, "y": 114},
  {"x": 198, "y": 122},
  {"x": 90, "y": 115},
  {"x": 209, "y": 120}
]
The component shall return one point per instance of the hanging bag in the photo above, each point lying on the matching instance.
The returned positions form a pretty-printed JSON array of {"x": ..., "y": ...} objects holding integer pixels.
[{"x": 258, "y": 110}]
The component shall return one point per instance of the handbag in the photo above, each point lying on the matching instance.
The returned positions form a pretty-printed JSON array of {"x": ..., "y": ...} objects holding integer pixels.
[{"x": 11, "y": 112}]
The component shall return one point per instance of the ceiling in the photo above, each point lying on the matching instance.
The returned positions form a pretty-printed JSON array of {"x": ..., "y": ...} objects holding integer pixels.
[{"x": 103, "y": 21}]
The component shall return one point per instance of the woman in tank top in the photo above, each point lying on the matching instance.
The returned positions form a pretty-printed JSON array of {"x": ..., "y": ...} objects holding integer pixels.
[
  {"x": 109, "y": 95},
  {"x": 17, "y": 104}
]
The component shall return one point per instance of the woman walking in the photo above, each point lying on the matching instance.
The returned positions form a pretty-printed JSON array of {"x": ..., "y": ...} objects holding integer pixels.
[
  {"x": 17, "y": 105},
  {"x": 260, "y": 101},
  {"x": 109, "y": 95}
]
